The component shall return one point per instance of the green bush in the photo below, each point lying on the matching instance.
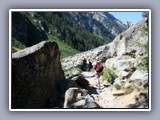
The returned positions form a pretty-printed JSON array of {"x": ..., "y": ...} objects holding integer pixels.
[
  {"x": 145, "y": 31},
  {"x": 144, "y": 59},
  {"x": 117, "y": 86},
  {"x": 108, "y": 75},
  {"x": 70, "y": 71},
  {"x": 16, "y": 45},
  {"x": 144, "y": 63}
]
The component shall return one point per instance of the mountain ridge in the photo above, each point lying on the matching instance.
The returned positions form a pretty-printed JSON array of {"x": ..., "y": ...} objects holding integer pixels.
[{"x": 80, "y": 30}]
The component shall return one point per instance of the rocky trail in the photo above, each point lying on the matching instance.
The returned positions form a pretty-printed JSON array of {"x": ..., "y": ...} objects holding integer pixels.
[{"x": 107, "y": 96}]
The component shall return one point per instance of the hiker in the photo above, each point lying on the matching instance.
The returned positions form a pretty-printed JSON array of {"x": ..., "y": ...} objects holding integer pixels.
[
  {"x": 90, "y": 66},
  {"x": 84, "y": 65},
  {"x": 98, "y": 71}
]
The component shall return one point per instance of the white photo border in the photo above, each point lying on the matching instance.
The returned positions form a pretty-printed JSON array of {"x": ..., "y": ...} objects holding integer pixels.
[{"x": 79, "y": 10}]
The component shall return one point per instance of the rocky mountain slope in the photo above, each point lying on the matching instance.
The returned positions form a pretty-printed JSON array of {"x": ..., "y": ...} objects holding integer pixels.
[
  {"x": 102, "y": 24},
  {"x": 80, "y": 30},
  {"x": 24, "y": 31},
  {"x": 127, "y": 57},
  {"x": 129, "y": 43}
]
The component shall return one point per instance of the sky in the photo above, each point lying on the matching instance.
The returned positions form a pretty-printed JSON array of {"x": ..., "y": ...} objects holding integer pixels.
[{"x": 132, "y": 17}]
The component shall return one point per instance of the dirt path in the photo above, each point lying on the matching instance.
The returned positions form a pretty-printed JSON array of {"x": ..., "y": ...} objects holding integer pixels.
[{"x": 105, "y": 97}]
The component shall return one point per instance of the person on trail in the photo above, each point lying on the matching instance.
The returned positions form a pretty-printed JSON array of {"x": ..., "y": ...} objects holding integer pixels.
[
  {"x": 89, "y": 65},
  {"x": 98, "y": 71},
  {"x": 84, "y": 64}
]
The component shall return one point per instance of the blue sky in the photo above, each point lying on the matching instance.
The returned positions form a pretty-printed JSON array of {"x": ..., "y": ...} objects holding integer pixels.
[{"x": 132, "y": 17}]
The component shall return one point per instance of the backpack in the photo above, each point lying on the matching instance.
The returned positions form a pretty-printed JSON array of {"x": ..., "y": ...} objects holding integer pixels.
[{"x": 99, "y": 67}]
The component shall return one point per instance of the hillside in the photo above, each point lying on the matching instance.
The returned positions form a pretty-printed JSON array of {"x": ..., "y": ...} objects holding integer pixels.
[
  {"x": 65, "y": 49},
  {"x": 80, "y": 30},
  {"x": 125, "y": 81}
]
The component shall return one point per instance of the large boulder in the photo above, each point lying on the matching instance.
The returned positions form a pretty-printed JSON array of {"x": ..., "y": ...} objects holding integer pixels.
[
  {"x": 123, "y": 66},
  {"x": 140, "y": 79},
  {"x": 79, "y": 98},
  {"x": 73, "y": 95},
  {"x": 139, "y": 75},
  {"x": 36, "y": 76},
  {"x": 91, "y": 103},
  {"x": 128, "y": 43}
]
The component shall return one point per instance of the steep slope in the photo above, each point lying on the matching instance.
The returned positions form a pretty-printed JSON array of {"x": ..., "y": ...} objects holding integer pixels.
[
  {"x": 127, "y": 58},
  {"x": 24, "y": 31},
  {"x": 80, "y": 30},
  {"x": 129, "y": 43},
  {"x": 65, "y": 49},
  {"x": 102, "y": 24}
]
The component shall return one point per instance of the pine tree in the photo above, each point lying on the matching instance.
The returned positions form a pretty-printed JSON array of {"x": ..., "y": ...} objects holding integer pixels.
[{"x": 145, "y": 14}]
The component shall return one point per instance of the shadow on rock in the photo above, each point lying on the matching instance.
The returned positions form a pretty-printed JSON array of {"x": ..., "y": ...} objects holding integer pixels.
[
  {"x": 82, "y": 82},
  {"x": 92, "y": 90},
  {"x": 142, "y": 101},
  {"x": 106, "y": 86}
]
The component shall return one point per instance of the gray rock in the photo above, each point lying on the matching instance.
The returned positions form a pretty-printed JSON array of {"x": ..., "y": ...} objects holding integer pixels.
[
  {"x": 78, "y": 104},
  {"x": 120, "y": 82},
  {"x": 142, "y": 101},
  {"x": 127, "y": 42},
  {"x": 79, "y": 98},
  {"x": 36, "y": 75},
  {"x": 128, "y": 85},
  {"x": 87, "y": 102},
  {"x": 117, "y": 81},
  {"x": 139, "y": 75},
  {"x": 91, "y": 103},
  {"x": 74, "y": 95},
  {"x": 70, "y": 97},
  {"x": 121, "y": 65},
  {"x": 140, "y": 79}
]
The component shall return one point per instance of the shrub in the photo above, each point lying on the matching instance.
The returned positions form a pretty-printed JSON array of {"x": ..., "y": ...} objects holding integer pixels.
[
  {"x": 144, "y": 59},
  {"x": 16, "y": 45},
  {"x": 117, "y": 86},
  {"x": 108, "y": 75},
  {"x": 72, "y": 71},
  {"x": 144, "y": 31},
  {"x": 144, "y": 63}
]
